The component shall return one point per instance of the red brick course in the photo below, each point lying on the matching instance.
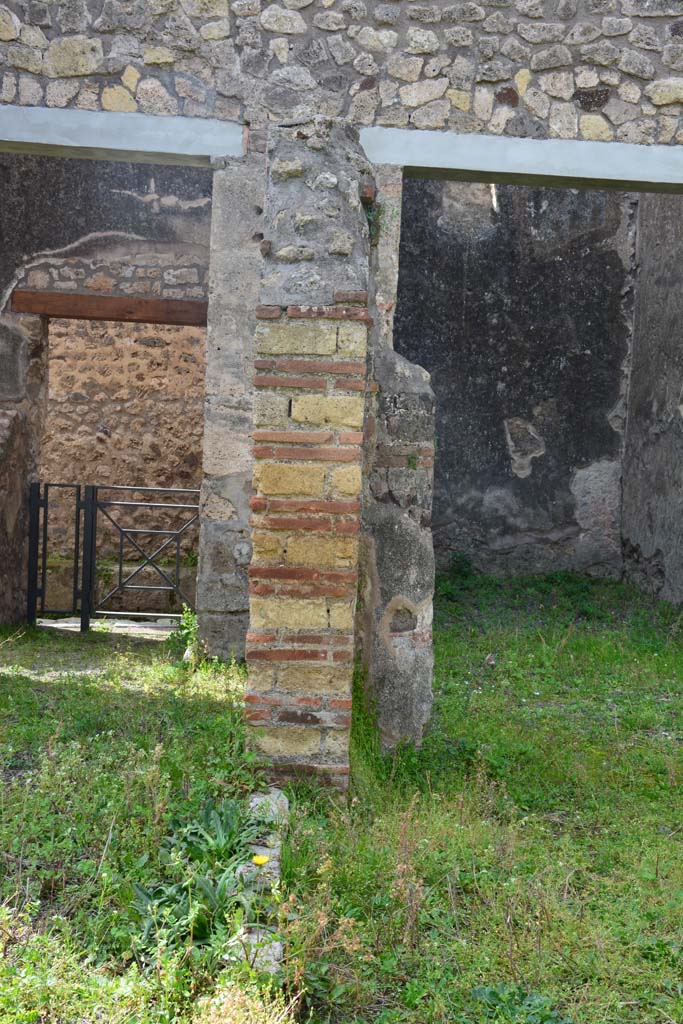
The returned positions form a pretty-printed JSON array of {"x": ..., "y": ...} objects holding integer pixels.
[{"x": 287, "y": 364}]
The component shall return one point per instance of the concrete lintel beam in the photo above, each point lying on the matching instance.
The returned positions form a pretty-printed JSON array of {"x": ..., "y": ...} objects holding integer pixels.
[
  {"x": 106, "y": 135},
  {"x": 565, "y": 162}
]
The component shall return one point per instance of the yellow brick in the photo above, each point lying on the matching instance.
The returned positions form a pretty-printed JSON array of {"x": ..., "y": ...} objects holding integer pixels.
[
  {"x": 316, "y": 679},
  {"x": 594, "y": 126},
  {"x": 460, "y": 98},
  {"x": 323, "y": 552},
  {"x": 336, "y": 744},
  {"x": 353, "y": 339},
  {"x": 158, "y": 55},
  {"x": 287, "y": 741},
  {"x": 115, "y": 97},
  {"x": 347, "y": 480},
  {"x": 273, "y": 478},
  {"x": 341, "y": 615},
  {"x": 261, "y": 678},
  {"x": 287, "y": 613},
  {"x": 337, "y": 411},
  {"x": 267, "y": 546},
  {"x": 522, "y": 79},
  {"x": 298, "y": 337},
  {"x": 130, "y": 78}
]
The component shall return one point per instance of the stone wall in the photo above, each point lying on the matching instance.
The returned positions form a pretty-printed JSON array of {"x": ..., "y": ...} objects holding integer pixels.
[
  {"x": 125, "y": 407},
  {"x": 397, "y": 560},
  {"x": 596, "y": 69},
  {"x": 117, "y": 270},
  {"x": 526, "y": 335},
  {"x": 290, "y": 285},
  {"x": 653, "y": 474}
]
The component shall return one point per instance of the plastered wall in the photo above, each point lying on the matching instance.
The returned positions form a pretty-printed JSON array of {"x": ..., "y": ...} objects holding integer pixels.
[{"x": 527, "y": 333}]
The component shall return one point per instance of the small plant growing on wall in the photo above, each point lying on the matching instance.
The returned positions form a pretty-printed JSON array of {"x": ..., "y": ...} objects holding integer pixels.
[{"x": 374, "y": 214}]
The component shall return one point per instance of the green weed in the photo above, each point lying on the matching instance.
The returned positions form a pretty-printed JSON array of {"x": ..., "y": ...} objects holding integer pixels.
[
  {"x": 525, "y": 864},
  {"x": 122, "y": 771},
  {"x": 185, "y": 642},
  {"x": 523, "y": 867}
]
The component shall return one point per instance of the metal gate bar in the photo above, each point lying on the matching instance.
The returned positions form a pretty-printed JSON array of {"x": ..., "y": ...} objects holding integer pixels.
[
  {"x": 39, "y": 507},
  {"x": 100, "y": 505}
]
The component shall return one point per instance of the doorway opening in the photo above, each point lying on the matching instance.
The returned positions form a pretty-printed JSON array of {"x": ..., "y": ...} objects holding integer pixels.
[{"x": 125, "y": 414}]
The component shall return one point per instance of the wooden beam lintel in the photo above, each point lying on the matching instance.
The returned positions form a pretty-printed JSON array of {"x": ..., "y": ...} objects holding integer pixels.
[{"x": 70, "y": 306}]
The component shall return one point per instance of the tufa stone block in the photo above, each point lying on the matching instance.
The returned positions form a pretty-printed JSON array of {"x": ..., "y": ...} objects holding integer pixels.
[
  {"x": 73, "y": 56},
  {"x": 322, "y": 552},
  {"x": 270, "y": 410},
  {"x": 272, "y": 478},
  {"x": 336, "y": 744},
  {"x": 297, "y": 337},
  {"x": 335, "y": 411},
  {"x": 267, "y": 547},
  {"x": 287, "y": 741},
  {"x": 341, "y": 615},
  {"x": 288, "y": 613},
  {"x": 116, "y": 98},
  {"x": 347, "y": 480},
  {"x": 353, "y": 339},
  {"x": 314, "y": 679},
  {"x": 261, "y": 678}
]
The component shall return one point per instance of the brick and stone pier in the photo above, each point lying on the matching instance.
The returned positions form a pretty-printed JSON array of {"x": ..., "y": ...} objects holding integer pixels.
[{"x": 310, "y": 383}]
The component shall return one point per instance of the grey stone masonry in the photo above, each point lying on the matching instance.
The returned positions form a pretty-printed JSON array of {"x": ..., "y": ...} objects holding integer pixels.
[
  {"x": 225, "y": 547},
  {"x": 23, "y": 399},
  {"x": 592, "y": 69},
  {"x": 398, "y": 551}
]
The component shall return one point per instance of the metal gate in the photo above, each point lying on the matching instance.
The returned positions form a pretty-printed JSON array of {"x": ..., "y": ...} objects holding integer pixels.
[{"x": 152, "y": 538}]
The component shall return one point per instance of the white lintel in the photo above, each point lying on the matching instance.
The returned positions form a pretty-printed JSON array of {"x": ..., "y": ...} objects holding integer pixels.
[
  {"x": 488, "y": 158},
  {"x": 108, "y": 135}
]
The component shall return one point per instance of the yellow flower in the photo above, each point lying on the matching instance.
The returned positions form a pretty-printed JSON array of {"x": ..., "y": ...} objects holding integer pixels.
[{"x": 260, "y": 859}]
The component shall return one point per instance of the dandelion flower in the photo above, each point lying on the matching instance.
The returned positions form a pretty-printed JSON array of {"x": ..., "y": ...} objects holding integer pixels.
[{"x": 260, "y": 859}]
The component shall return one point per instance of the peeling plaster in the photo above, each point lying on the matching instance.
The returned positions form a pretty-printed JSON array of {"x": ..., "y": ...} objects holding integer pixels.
[
  {"x": 55, "y": 256},
  {"x": 161, "y": 203},
  {"x": 524, "y": 444}
]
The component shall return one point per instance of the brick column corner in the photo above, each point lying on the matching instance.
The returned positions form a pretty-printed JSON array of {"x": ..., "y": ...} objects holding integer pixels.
[{"x": 309, "y": 409}]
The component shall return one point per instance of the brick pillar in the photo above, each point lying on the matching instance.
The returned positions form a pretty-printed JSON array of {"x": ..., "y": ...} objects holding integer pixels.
[{"x": 310, "y": 383}]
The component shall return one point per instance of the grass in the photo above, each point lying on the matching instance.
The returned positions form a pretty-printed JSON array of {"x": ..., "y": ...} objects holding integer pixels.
[
  {"x": 523, "y": 867},
  {"x": 105, "y": 741},
  {"x": 526, "y": 865}
]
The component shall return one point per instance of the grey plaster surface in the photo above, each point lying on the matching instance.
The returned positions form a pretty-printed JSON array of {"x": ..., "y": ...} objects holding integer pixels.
[
  {"x": 107, "y": 135},
  {"x": 485, "y": 158}
]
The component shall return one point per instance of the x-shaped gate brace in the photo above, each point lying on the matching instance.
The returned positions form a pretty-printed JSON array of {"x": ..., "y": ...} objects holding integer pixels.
[
  {"x": 94, "y": 504},
  {"x": 104, "y": 499}
]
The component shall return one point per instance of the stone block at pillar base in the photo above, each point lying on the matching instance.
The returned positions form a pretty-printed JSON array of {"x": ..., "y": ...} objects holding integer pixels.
[{"x": 224, "y": 633}]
